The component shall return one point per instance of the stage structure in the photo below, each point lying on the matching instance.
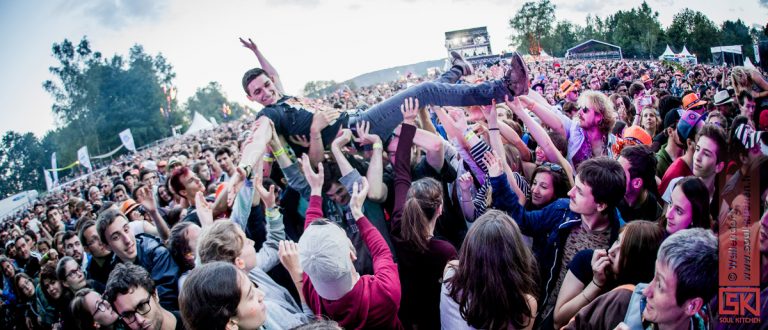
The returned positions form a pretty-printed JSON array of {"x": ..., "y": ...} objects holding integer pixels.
[{"x": 594, "y": 50}]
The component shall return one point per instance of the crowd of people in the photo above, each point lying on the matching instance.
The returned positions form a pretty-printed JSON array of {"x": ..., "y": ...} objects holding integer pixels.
[{"x": 568, "y": 194}]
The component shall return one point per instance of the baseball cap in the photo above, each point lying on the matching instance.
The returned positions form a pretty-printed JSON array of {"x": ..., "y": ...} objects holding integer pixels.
[
  {"x": 324, "y": 254},
  {"x": 723, "y": 97},
  {"x": 692, "y": 100},
  {"x": 672, "y": 117},
  {"x": 689, "y": 124},
  {"x": 747, "y": 135},
  {"x": 638, "y": 134}
]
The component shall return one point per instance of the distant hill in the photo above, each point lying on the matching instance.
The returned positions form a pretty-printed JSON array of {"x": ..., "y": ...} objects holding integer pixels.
[{"x": 390, "y": 74}]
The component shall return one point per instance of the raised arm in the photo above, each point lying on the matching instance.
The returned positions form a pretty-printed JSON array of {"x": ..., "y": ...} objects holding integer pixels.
[
  {"x": 375, "y": 174},
  {"x": 320, "y": 120},
  {"x": 542, "y": 138},
  {"x": 426, "y": 121},
  {"x": 315, "y": 180},
  {"x": 403, "y": 160},
  {"x": 146, "y": 198},
  {"x": 545, "y": 113},
  {"x": 268, "y": 68},
  {"x": 342, "y": 140}
]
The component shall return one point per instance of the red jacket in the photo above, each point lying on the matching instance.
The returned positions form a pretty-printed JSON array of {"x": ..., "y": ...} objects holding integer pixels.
[{"x": 375, "y": 299}]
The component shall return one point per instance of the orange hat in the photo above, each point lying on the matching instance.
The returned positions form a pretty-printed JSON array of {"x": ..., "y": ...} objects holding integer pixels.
[
  {"x": 638, "y": 134},
  {"x": 646, "y": 79},
  {"x": 691, "y": 101},
  {"x": 128, "y": 206},
  {"x": 567, "y": 87}
]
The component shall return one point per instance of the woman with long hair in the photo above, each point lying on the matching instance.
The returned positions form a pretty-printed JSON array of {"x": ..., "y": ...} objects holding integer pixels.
[
  {"x": 689, "y": 207},
  {"x": 91, "y": 311},
  {"x": 421, "y": 256},
  {"x": 550, "y": 182},
  {"x": 630, "y": 260},
  {"x": 218, "y": 296},
  {"x": 493, "y": 284}
]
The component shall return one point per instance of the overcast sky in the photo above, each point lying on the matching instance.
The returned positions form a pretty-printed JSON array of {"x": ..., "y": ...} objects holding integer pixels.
[{"x": 304, "y": 39}]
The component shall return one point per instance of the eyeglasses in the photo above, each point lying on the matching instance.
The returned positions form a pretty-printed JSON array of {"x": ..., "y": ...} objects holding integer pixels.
[
  {"x": 142, "y": 309},
  {"x": 101, "y": 306},
  {"x": 585, "y": 110},
  {"x": 74, "y": 272}
]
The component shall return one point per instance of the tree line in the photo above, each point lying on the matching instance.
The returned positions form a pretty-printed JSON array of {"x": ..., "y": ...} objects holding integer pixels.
[
  {"x": 637, "y": 31},
  {"x": 94, "y": 98}
]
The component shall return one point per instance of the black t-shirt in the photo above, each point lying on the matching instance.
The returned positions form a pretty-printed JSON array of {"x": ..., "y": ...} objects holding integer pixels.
[
  {"x": 581, "y": 266},
  {"x": 291, "y": 118},
  {"x": 179, "y": 322}
]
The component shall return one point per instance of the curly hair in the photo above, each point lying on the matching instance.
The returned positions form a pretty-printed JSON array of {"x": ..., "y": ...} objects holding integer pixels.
[{"x": 602, "y": 105}]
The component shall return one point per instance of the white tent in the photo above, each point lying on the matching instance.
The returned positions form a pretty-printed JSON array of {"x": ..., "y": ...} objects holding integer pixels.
[
  {"x": 199, "y": 123},
  {"x": 748, "y": 63},
  {"x": 685, "y": 52},
  {"x": 667, "y": 53}
]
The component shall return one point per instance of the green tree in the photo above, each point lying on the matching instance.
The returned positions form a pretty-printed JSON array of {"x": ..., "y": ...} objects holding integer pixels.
[
  {"x": 564, "y": 36},
  {"x": 209, "y": 102},
  {"x": 737, "y": 33},
  {"x": 636, "y": 31},
  {"x": 532, "y": 23},
  {"x": 21, "y": 166},
  {"x": 694, "y": 30},
  {"x": 95, "y": 98}
]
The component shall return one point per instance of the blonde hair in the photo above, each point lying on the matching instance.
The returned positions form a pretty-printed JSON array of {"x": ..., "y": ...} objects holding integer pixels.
[
  {"x": 220, "y": 242},
  {"x": 601, "y": 104},
  {"x": 741, "y": 78}
]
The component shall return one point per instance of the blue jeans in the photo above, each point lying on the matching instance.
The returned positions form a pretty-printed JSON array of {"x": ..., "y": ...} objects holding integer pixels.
[{"x": 385, "y": 116}]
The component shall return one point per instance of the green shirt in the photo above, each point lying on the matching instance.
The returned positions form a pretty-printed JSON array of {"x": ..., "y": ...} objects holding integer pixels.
[{"x": 663, "y": 160}]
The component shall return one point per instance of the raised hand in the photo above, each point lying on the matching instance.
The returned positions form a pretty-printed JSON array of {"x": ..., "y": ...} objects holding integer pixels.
[
  {"x": 600, "y": 264},
  {"x": 269, "y": 197},
  {"x": 364, "y": 137},
  {"x": 146, "y": 198},
  {"x": 301, "y": 140},
  {"x": 493, "y": 164},
  {"x": 410, "y": 109},
  {"x": 324, "y": 118},
  {"x": 204, "y": 210},
  {"x": 249, "y": 44},
  {"x": 489, "y": 111},
  {"x": 235, "y": 184},
  {"x": 515, "y": 104},
  {"x": 465, "y": 181},
  {"x": 288, "y": 251},
  {"x": 345, "y": 135},
  {"x": 314, "y": 179},
  {"x": 359, "y": 194}
]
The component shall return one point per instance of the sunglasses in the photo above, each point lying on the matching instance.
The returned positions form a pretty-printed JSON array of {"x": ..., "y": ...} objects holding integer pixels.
[{"x": 552, "y": 167}]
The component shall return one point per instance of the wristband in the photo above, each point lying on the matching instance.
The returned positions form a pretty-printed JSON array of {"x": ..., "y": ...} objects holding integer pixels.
[
  {"x": 378, "y": 145},
  {"x": 273, "y": 212},
  {"x": 595, "y": 283},
  {"x": 278, "y": 152},
  {"x": 469, "y": 135},
  {"x": 268, "y": 159},
  {"x": 493, "y": 129}
]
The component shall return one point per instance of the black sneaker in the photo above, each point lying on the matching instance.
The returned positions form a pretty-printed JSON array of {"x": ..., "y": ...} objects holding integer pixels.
[
  {"x": 458, "y": 60},
  {"x": 516, "y": 77}
]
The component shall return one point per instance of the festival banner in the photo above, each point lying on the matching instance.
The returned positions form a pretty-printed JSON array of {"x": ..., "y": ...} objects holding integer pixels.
[
  {"x": 83, "y": 158},
  {"x": 48, "y": 181},
  {"x": 54, "y": 164},
  {"x": 127, "y": 138}
]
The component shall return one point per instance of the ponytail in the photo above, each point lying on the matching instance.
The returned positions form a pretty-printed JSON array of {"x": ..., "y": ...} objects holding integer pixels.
[{"x": 424, "y": 200}]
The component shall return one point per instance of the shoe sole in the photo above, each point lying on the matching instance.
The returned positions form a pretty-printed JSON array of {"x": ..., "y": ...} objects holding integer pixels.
[{"x": 517, "y": 57}]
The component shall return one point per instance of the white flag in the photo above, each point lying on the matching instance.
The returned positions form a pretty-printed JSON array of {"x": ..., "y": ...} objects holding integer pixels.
[
  {"x": 127, "y": 139},
  {"x": 83, "y": 158},
  {"x": 48, "y": 181},
  {"x": 54, "y": 166}
]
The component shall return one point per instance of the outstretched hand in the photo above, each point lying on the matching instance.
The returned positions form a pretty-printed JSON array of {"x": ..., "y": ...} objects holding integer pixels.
[
  {"x": 359, "y": 194},
  {"x": 410, "y": 109},
  {"x": 490, "y": 113},
  {"x": 314, "y": 179},
  {"x": 269, "y": 197},
  {"x": 493, "y": 164},
  {"x": 364, "y": 135},
  {"x": 145, "y": 197},
  {"x": 249, "y": 44},
  {"x": 288, "y": 251}
]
